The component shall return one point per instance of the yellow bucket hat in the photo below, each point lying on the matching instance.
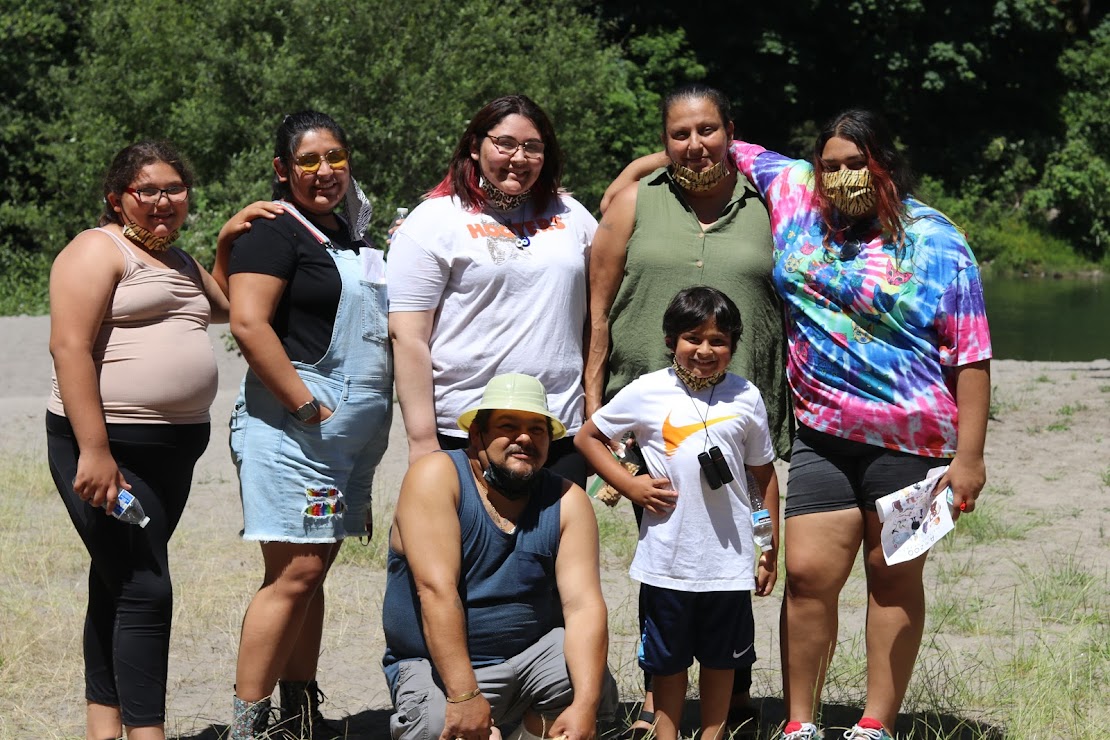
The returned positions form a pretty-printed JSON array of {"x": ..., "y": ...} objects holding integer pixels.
[{"x": 514, "y": 392}]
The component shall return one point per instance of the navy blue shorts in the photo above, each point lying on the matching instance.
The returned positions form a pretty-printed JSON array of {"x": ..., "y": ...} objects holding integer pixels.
[
  {"x": 715, "y": 627},
  {"x": 830, "y": 473}
]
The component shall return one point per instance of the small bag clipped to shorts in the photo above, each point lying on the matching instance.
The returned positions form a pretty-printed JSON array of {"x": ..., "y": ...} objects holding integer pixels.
[{"x": 628, "y": 454}]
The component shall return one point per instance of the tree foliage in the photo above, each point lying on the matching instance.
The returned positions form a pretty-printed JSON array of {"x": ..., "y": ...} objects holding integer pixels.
[
  {"x": 999, "y": 102},
  {"x": 402, "y": 76},
  {"x": 1002, "y": 105}
]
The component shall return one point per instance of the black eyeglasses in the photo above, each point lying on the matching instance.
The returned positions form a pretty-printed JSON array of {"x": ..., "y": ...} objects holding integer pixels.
[
  {"x": 174, "y": 193},
  {"x": 507, "y": 145}
]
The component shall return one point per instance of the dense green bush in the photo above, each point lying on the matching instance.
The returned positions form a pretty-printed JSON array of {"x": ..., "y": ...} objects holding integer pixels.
[
  {"x": 23, "y": 282},
  {"x": 1021, "y": 160}
]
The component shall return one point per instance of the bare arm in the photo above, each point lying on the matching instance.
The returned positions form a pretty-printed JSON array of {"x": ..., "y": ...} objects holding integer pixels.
[
  {"x": 82, "y": 280},
  {"x": 767, "y": 571},
  {"x": 426, "y": 531},
  {"x": 255, "y": 297},
  {"x": 577, "y": 573},
  {"x": 607, "y": 258},
  {"x": 217, "y": 296},
  {"x": 635, "y": 171},
  {"x": 653, "y": 494},
  {"x": 968, "y": 472},
  {"x": 238, "y": 224},
  {"x": 411, "y": 334}
]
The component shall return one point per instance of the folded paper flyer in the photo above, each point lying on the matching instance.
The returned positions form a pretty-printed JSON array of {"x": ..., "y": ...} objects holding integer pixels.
[{"x": 915, "y": 518}]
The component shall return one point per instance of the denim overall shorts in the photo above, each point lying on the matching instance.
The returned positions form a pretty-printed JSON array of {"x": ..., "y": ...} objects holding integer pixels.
[{"x": 311, "y": 482}]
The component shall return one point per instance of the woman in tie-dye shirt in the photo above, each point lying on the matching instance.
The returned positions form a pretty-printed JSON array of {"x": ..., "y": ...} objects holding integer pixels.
[
  {"x": 888, "y": 363},
  {"x": 889, "y": 368}
]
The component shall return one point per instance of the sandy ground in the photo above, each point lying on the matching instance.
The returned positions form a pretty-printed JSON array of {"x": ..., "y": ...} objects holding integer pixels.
[{"x": 1048, "y": 458}]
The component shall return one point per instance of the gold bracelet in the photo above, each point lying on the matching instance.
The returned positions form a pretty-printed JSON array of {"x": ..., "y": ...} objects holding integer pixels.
[{"x": 464, "y": 697}]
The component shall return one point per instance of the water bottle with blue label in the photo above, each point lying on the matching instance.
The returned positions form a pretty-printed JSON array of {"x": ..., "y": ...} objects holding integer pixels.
[
  {"x": 762, "y": 527},
  {"x": 128, "y": 509}
]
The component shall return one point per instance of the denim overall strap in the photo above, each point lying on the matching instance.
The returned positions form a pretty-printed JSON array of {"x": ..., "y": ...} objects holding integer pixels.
[
  {"x": 359, "y": 347},
  {"x": 311, "y": 482}
]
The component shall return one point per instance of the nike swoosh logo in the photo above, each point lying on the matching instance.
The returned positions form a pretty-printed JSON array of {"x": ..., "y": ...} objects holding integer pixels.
[
  {"x": 674, "y": 436},
  {"x": 738, "y": 654}
]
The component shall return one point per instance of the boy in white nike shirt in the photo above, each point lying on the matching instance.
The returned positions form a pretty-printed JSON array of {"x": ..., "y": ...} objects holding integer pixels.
[{"x": 699, "y": 429}]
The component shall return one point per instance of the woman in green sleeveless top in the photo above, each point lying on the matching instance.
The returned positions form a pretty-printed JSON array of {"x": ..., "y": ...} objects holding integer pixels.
[{"x": 693, "y": 222}]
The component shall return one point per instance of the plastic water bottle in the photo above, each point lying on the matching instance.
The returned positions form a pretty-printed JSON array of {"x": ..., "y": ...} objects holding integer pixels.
[
  {"x": 398, "y": 216},
  {"x": 128, "y": 509},
  {"x": 762, "y": 527}
]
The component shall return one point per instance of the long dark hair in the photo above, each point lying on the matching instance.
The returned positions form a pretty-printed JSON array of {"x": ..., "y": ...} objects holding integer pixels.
[
  {"x": 692, "y": 307},
  {"x": 463, "y": 172},
  {"x": 126, "y": 165},
  {"x": 890, "y": 172},
  {"x": 289, "y": 134}
]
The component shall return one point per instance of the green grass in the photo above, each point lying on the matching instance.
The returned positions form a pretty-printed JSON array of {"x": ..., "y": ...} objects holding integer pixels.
[
  {"x": 956, "y": 613},
  {"x": 372, "y": 554},
  {"x": 1056, "y": 688},
  {"x": 1042, "y": 379},
  {"x": 954, "y": 570},
  {"x": 1026, "y": 657},
  {"x": 984, "y": 526},
  {"x": 1003, "y": 489},
  {"x": 617, "y": 530},
  {"x": 1067, "y": 592}
]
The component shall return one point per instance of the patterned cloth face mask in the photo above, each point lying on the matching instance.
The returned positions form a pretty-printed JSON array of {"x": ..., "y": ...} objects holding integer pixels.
[
  {"x": 693, "y": 382},
  {"x": 699, "y": 182},
  {"x": 502, "y": 201},
  {"x": 147, "y": 239},
  {"x": 850, "y": 191}
]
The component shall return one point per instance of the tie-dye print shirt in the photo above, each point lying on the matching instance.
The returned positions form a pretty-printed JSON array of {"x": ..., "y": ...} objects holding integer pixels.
[{"x": 874, "y": 338}]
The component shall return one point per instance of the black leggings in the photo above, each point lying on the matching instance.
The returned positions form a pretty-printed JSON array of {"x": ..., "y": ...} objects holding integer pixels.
[{"x": 127, "y": 624}]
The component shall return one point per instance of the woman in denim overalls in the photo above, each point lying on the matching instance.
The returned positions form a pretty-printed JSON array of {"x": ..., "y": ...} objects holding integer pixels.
[{"x": 313, "y": 415}]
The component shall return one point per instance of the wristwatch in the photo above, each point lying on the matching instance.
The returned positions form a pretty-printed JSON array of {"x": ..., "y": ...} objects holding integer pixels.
[{"x": 306, "y": 412}]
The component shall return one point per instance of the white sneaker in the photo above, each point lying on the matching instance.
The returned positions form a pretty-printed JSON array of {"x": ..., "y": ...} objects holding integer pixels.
[
  {"x": 803, "y": 731},
  {"x": 867, "y": 733}
]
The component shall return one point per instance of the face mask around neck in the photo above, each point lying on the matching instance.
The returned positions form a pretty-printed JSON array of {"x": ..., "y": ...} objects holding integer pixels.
[
  {"x": 147, "y": 239},
  {"x": 512, "y": 486}
]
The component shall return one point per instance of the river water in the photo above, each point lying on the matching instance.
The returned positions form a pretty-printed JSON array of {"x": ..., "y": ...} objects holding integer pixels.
[{"x": 1047, "y": 319}]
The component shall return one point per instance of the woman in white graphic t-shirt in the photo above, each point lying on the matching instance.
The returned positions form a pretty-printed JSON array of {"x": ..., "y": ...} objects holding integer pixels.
[{"x": 488, "y": 276}]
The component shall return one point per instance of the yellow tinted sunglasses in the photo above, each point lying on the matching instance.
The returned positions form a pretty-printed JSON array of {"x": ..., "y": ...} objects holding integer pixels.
[{"x": 311, "y": 161}]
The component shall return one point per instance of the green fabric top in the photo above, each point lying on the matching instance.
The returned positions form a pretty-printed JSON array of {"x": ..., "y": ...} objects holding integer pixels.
[{"x": 669, "y": 251}]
